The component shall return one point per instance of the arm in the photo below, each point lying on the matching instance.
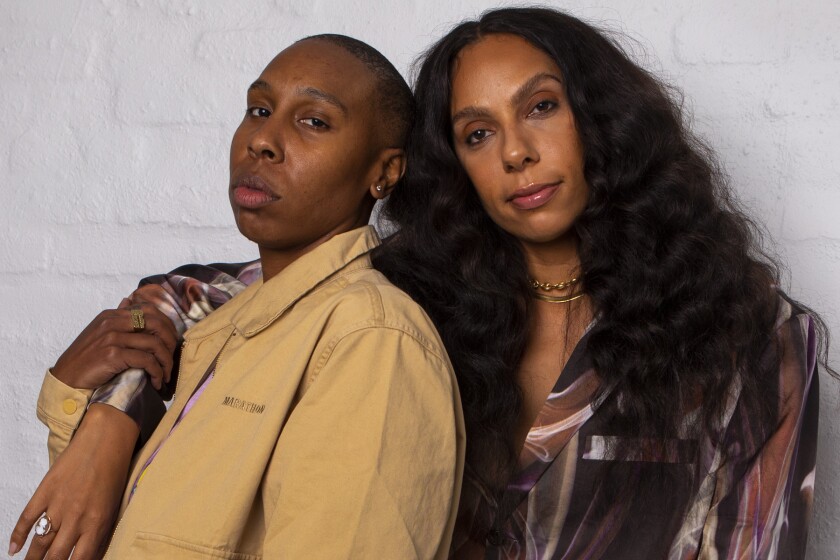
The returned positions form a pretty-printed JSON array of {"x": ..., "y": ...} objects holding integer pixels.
[
  {"x": 82, "y": 490},
  {"x": 79, "y": 485},
  {"x": 371, "y": 456},
  {"x": 766, "y": 512},
  {"x": 181, "y": 298},
  {"x": 186, "y": 295},
  {"x": 107, "y": 346}
]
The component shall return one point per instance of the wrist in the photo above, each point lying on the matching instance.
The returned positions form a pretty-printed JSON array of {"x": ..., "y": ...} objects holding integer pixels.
[
  {"x": 111, "y": 426},
  {"x": 67, "y": 376}
]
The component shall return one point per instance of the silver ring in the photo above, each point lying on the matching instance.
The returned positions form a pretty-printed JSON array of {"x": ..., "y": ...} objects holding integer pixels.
[{"x": 44, "y": 525}]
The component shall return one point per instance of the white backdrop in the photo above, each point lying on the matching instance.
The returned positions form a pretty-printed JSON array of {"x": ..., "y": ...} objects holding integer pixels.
[{"x": 117, "y": 115}]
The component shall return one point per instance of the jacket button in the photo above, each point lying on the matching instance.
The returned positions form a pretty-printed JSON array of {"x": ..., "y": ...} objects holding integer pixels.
[{"x": 69, "y": 406}]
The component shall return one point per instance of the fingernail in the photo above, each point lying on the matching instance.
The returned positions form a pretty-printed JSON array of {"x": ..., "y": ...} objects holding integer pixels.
[{"x": 13, "y": 548}]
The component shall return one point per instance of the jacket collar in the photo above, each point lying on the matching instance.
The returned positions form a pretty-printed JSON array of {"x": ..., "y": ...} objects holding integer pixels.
[{"x": 265, "y": 302}]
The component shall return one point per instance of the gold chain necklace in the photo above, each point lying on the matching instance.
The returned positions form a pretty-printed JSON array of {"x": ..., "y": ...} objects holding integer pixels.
[{"x": 548, "y": 286}]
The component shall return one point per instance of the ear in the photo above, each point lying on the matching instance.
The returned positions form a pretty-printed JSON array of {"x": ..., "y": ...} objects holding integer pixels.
[{"x": 391, "y": 168}]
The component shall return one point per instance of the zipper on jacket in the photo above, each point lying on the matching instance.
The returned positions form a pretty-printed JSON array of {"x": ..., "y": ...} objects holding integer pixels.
[
  {"x": 128, "y": 481},
  {"x": 174, "y": 394},
  {"x": 180, "y": 365},
  {"x": 218, "y": 359}
]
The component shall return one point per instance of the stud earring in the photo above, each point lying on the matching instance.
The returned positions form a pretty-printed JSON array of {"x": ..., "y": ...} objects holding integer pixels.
[{"x": 378, "y": 188}]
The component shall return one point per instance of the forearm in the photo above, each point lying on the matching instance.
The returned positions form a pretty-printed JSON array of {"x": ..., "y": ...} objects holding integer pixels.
[
  {"x": 184, "y": 297},
  {"x": 114, "y": 431},
  {"x": 83, "y": 488},
  {"x": 131, "y": 393}
]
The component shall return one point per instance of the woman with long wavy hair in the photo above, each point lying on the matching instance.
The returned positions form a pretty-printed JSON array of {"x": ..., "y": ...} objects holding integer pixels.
[{"x": 634, "y": 383}]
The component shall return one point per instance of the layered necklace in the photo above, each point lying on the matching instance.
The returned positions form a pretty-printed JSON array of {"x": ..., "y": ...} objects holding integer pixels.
[{"x": 540, "y": 287}]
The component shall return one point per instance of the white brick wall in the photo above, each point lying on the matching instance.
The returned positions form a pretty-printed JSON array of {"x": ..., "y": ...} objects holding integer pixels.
[{"x": 116, "y": 118}]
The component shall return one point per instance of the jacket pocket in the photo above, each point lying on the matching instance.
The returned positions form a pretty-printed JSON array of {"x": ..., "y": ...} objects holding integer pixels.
[{"x": 150, "y": 545}]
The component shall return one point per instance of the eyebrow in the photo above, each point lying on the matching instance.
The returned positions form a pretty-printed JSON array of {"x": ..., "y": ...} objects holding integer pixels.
[
  {"x": 309, "y": 91},
  {"x": 518, "y": 97},
  {"x": 323, "y": 96},
  {"x": 259, "y": 85}
]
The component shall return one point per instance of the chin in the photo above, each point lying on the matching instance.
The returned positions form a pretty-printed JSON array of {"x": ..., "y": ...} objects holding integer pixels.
[
  {"x": 537, "y": 229},
  {"x": 243, "y": 228},
  {"x": 542, "y": 236},
  {"x": 252, "y": 232}
]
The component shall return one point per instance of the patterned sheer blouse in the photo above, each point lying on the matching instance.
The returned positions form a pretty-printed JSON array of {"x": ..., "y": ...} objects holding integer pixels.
[{"x": 743, "y": 492}]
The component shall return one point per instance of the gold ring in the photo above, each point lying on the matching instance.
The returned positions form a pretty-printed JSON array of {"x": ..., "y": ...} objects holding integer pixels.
[
  {"x": 43, "y": 525},
  {"x": 138, "y": 323}
]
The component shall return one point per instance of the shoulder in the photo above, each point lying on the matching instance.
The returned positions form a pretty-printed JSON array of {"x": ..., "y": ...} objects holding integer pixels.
[
  {"x": 796, "y": 344},
  {"x": 372, "y": 330},
  {"x": 784, "y": 388},
  {"x": 367, "y": 301},
  {"x": 795, "y": 326}
]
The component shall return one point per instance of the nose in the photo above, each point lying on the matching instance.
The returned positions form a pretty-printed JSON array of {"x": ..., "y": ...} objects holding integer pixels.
[
  {"x": 518, "y": 151},
  {"x": 267, "y": 142}
]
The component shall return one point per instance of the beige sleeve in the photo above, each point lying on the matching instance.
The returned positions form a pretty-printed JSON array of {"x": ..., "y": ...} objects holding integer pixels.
[
  {"x": 60, "y": 408},
  {"x": 369, "y": 464}
]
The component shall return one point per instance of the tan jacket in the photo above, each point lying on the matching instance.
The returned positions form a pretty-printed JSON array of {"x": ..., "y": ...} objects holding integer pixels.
[{"x": 331, "y": 429}]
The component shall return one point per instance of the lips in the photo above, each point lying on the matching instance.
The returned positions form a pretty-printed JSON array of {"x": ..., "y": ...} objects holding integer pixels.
[
  {"x": 533, "y": 195},
  {"x": 253, "y": 192}
]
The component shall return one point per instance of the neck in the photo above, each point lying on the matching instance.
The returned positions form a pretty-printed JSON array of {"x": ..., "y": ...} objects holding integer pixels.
[
  {"x": 275, "y": 260},
  {"x": 554, "y": 262}
]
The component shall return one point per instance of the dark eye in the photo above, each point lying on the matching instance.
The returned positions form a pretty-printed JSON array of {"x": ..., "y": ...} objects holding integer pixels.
[
  {"x": 314, "y": 122},
  {"x": 543, "y": 107},
  {"x": 476, "y": 136},
  {"x": 260, "y": 112}
]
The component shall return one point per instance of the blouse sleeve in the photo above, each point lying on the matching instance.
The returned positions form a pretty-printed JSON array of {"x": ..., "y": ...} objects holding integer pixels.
[
  {"x": 767, "y": 496},
  {"x": 186, "y": 295}
]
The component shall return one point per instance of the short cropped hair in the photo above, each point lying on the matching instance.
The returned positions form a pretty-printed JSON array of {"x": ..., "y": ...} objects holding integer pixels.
[{"x": 393, "y": 93}]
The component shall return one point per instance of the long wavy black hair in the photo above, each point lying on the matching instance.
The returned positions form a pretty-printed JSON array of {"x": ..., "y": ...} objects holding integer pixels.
[{"x": 683, "y": 293}]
